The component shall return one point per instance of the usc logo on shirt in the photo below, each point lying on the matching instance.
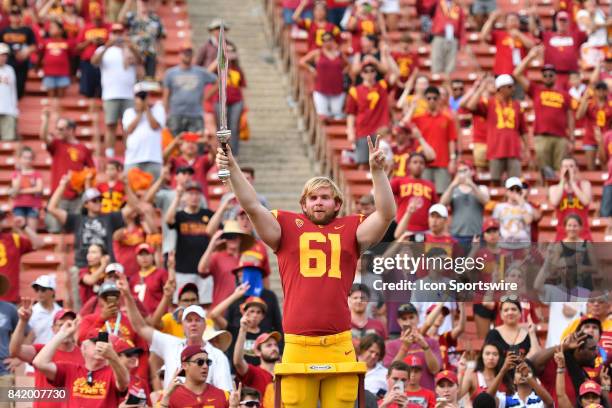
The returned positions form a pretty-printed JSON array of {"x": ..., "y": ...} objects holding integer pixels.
[
  {"x": 551, "y": 99},
  {"x": 416, "y": 190},
  {"x": 574, "y": 203},
  {"x": 80, "y": 388},
  {"x": 73, "y": 153}
]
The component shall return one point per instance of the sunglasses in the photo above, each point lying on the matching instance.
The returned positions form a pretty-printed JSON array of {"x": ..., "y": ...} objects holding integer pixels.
[
  {"x": 96, "y": 200},
  {"x": 250, "y": 403},
  {"x": 432, "y": 98},
  {"x": 515, "y": 189},
  {"x": 189, "y": 300},
  {"x": 41, "y": 289},
  {"x": 369, "y": 71},
  {"x": 458, "y": 89},
  {"x": 490, "y": 230},
  {"x": 201, "y": 361},
  {"x": 548, "y": 74},
  {"x": 509, "y": 298}
]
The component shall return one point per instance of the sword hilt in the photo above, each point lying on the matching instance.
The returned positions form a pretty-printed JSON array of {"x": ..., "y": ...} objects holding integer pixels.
[{"x": 223, "y": 137}]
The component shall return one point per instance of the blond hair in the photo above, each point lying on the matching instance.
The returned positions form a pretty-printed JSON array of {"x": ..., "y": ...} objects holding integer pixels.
[{"x": 316, "y": 183}]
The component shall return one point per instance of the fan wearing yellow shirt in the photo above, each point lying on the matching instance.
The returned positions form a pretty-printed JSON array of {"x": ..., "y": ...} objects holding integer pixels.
[{"x": 599, "y": 309}]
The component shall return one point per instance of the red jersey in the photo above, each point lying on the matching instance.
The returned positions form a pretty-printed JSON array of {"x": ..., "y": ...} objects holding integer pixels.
[
  {"x": 370, "y": 105},
  {"x": 330, "y": 74},
  {"x": 401, "y": 154},
  {"x": 40, "y": 381},
  {"x": 508, "y": 52},
  {"x": 448, "y": 17},
  {"x": 86, "y": 292},
  {"x": 407, "y": 62},
  {"x": 212, "y": 397},
  {"x": 447, "y": 344},
  {"x": 439, "y": 130},
  {"x": 235, "y": 83},
  {"x": 505, "y": 125},
  {"x": 201, "y": 165},
  {"x": 91, "y": 8},
  {"x": 148, "y": 287},
  {"x": 607, "y": 140},
  {"x": 316, "y": 31},
  {"x": 570, "y": 204},
  {"x": 563, "y": 50},
  {"x": 125, "y": 247},
  {"x": 317, "y": 262},
  {"x": 102, "y": 393},
  {"x": 406, "y": 189},
  {"x": 551, "y": 106},
  {"x": 479, "y": 125},
  {"x": 220, "y": 268},
  {"x": 364, "y": 26},
  {"x": 597, "y": 116},
  {"x": 56, "y": 53},
  {"x": 28, "y": 180},
  {"x": 113, "y": 196},
  {"x": 12, "y": 247},
  {"x": 92, "y": 32},
  {"x": 67, "y": 156},
  {"x": 258, "y": 378}
]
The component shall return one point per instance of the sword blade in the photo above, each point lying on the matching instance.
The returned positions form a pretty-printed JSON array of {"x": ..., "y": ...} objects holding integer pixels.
[{"x": 222, "y": 68}]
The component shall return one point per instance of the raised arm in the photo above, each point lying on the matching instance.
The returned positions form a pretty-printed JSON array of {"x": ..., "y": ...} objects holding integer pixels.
[
  {"x": 485, "y": 33},
  {"x": 44, "y": 126},
  {"x": 373, "y": 228},
  {"x": 169, "y": 287},
  {"x": 520, "y": 68},
  {"x": 240, "y": 363},
  {"x": 43, "y": 361},
  {"x": 17, "y": 346},
  {"x": 217, "y": 314},
  {"x": 562, "y": 398},
  {"x": 263, "y": 220},
  {"x": 53, "y": 207},
  {"x": 138, "y": 322},
  {"x": 152, "y": 191},
  {"x": 215, "y": 220},
  {"x": 171, "y": 212}
]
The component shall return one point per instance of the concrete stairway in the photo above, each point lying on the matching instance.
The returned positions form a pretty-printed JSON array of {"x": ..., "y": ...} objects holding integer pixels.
[{"x": 276, "y": 150}]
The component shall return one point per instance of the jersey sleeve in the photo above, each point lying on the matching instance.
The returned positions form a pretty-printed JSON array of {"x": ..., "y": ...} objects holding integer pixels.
[{"x": 351, "y": 101}]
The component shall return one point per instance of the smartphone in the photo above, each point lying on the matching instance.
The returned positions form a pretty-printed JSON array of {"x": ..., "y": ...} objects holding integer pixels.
[
  {"x": 103, "y": 337},
  {"x": 418, "y": 237},
  {"x": 398, "y": 386},
  {"x": 254, "y": 277},
  {"x": 135, "y": 400}
]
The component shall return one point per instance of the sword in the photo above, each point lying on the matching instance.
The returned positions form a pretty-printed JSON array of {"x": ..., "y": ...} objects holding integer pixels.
[{"x": 223, "y": 134}]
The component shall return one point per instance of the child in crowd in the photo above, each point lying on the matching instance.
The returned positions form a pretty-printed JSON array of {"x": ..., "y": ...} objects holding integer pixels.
[{"x": 26, "y": 189}]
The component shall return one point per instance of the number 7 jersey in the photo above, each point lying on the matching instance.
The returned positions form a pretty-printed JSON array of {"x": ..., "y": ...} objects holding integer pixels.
[{"x": 317, "y": 267}]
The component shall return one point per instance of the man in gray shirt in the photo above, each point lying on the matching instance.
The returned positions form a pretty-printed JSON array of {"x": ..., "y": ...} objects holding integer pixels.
[{"x": 184, "y": 91}]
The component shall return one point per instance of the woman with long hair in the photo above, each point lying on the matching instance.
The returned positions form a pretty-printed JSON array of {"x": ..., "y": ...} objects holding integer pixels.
[{"x": 480, "y": 374}]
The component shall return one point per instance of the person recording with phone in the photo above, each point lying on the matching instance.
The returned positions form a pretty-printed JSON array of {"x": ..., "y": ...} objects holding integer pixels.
[{"x": 101, "y": 382}]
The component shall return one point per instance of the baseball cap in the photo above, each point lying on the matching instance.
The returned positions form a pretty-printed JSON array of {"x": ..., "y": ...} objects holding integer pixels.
[
  {"x": 445, "y": 311},
  {"x": 125, "y": 346},
  {"x": 589, "y": 318},
  {"x": 414, "y": 361},
  {"x": 60, "y": 314},
  {"x": 191, "y": 351},
  {"x": 446, "y": 375},
  {"x": 406, "y": 308},
  {"x": 44, "y": 281},
  {"x": 4, "y": 48},
  {"x": 563, "y": 15},
  {"x": 589, "y": 386},
  {"x": 144, "y": 247},
  {"x": 513, "y": 182},
  {"x": 217, "y": 23},
  {"x": 490, "y": 223},
  {"x": 186, "y": 47},
  {"x": 248, "y": 261},
  {"x": 190, "y": 137},
  {"x": 117, "y": 27},
  {"x": 503, "y": 80},
  {"x": 601, "y": 85},
  {"x": 439, "y": 209},
  {"x": 253, "y": 301},
  {"x": 108, "y": 286},
  {"x": 188, "y": 286},
  {"x": 194, "y": 309},
  {"x": 262, "y": 338},
  {"x": 548, "y": 67},
  {"x": 114, "y": 267},
  {"x": 185, "y": 169},
  {"x": 91, "y": 194},
  {"x": 146, "y": 86},
  {"x": 193, "y": 185}
]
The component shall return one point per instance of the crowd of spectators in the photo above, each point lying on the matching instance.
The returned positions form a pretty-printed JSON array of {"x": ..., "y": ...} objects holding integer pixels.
[{"x": 170, "y": 300}]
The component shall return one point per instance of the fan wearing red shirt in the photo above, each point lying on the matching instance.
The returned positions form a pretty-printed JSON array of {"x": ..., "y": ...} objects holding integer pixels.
[
  {"x": 448, "y": 30},
  {"x": 100, "y": 382},
  {"x": 67, "y": 351},
  {"x": 12, "y": 247},
  {"x": 148, "y": 285},
  {"x": 56, "y": 51},
  {"x": 511, "y": 45},
  {"x": 189, "y": 157},
  {"x": 317, "y": 254},
  {"x": 440, "y": 131},
  {"x": 113, "y": 189},
  {"x": 605, "y": 153},
  {"x": 367, "y": 107},
  {"x": 415, "y": 192},
  {"x": 598, "y": 115},
  {"x": 554, "y": 120},
  {"x": 505, "y": 128},
  {"x": 195, "y": 391},
  {"x": 404, "y": 383},
  {"x": 362, "y": 23},
  {"x": 408, "y": 140},
  {"x": 92, "y": 35},
  {"x": 481, "y": 91},
  {"x": 562, "y": 48},
  {"x": 405, "y": 58},
  {"x": 317, "y": 26}
]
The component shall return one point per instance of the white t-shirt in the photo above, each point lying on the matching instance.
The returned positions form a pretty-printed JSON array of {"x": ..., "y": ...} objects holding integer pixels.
[
  {"x": 41, "y": 322},
  {"x": 169, "y": 348},
  {"x": 376, "y": 379},
  {"x": 512, "y": 226},
  {"x": 8, "y": 91},
  {"x": 144, "y": 143},
  {"x": 117, "y": 81}
]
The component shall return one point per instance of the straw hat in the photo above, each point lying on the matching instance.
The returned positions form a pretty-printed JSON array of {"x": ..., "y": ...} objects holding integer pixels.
[
  {"x": 221, "y": 339},
  {"x": 231, "y": 228}
]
